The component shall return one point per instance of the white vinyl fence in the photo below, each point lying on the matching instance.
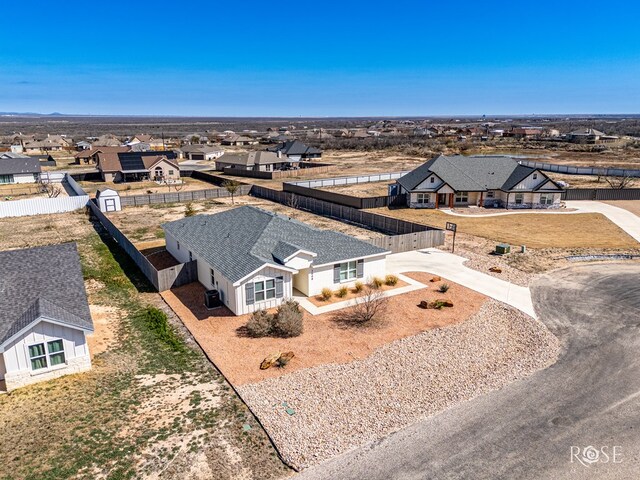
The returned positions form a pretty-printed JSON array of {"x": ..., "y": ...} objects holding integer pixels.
[{"x": 42, "y": 206}]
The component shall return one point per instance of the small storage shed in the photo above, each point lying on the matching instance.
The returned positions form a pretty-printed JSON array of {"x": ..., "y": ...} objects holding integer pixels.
[{"x": 108, "y": 200}]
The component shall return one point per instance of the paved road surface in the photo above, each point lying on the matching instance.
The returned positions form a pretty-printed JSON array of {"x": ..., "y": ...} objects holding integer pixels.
[{"x": 590, "y": 397}]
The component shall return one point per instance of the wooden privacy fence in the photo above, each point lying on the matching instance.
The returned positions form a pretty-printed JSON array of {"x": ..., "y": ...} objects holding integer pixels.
[
  {"x": 393, "y": 226},
  {"x": 344, "y": 199},
  {"x": 176, "y": 197},
  {"x": 162, "y": 280},
  {"x": 571, "y": 170},
  {"x": 305, "y": 169},
  {"x": 410, "y": 241},
  {"x": 601, "y": 194}
]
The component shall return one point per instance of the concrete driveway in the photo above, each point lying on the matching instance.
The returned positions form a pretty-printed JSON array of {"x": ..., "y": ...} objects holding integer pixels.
[
  {"x": 449, "y": 266},
  {"x": 590, "y": 397}
]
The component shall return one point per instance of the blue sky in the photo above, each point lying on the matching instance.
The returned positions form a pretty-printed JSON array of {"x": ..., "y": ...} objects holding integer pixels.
[{"x": 349, "y": 58}]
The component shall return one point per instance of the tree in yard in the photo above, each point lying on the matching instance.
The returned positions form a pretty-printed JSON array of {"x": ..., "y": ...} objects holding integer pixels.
[
  {"x": 231, "y": 186},
  {"x": 619, "y": 182},
  {"x": 52, "y": 190}
]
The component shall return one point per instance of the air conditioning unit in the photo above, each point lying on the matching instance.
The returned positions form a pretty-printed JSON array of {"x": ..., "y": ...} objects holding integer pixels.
[
  {"x": 212, "y": 299},
  {"x": 503, "y": 249}
]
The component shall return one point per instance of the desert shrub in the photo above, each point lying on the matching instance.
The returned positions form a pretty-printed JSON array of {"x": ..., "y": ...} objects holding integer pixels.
[
  {"x": 391, "y": 280},
  {"x": 376, "y": 282},
  {"x": 443, "y": 288},
  {"x": 326, "y": 294},
  {"x": 369, "y": 306},
  {"x": 189, "y": 211},
  {"x": 358, "y": 286},
  {"x": 288, "y": 320},
  {"x": 260, "y": 324},
  {"x": 342, "y": 292}
]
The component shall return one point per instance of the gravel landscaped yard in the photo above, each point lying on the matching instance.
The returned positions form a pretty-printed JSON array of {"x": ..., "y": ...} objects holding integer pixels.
[
  {"x": 337, "y": 407},
  {"x": 325, "y": 339}
]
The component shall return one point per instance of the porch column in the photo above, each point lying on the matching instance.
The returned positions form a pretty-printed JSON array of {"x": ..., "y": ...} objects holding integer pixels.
[
  {"x": 481, "y": 199},
  {"x": 451, "y": 200},
  {"x": 437, "y": 195}
]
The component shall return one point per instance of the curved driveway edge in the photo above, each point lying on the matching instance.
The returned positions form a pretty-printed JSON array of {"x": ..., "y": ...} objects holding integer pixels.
[{"x": 451, "y": 267}]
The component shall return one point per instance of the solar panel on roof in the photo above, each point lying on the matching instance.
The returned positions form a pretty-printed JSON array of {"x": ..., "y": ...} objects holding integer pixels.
[{"x": 132, "y": 163}]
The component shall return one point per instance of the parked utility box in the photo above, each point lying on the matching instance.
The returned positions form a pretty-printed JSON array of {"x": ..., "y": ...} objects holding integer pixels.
[{"x": 503, "y": 249}]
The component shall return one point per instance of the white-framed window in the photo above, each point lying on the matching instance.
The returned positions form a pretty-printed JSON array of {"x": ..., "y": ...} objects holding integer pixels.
[
  {"x": 422, "y": 198},
  {"x": 6, "y": 179},
  {"x": 265, "y": 290},
  {"x": 490, "y": 194},
  {"x": 519, "y": 198},
  {"x": 462, "y": 197},
  {"x": 213, "y": 277},
  {"x": 42, "y": 356},
  {"x": 348, "y": 271},
  {"x": 546, "y": 199},
  {"x": 170, "y": 172}
]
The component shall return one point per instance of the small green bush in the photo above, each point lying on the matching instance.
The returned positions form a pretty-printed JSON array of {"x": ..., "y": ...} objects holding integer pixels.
[
  {"x": 342, "y": 292},
  {"x": 189, "y": 211},
  {"x": 157, "y": 322},
  {"x": 326, "y": 294},
  {"x": 288, "y": 320},
  {"x": 376, "y": 282},
  {"x": 391, "y": 280},
  {"x": 443, "y": 288},
  {"x": 358, "y": 286},
  {"x": 260, "y": 324}
]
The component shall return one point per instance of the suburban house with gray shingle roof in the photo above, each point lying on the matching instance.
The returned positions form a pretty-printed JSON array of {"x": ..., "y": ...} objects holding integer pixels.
[
  {"x": 17, "y": 168},
  {"x": 485, "y": 181},
  {"x": 44, "y": 315},
  {"x": 255, "y": 259}
]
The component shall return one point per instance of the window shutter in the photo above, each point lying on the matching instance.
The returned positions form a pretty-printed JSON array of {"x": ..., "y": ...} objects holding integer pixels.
[
  {"x": 360, "y": 268},
  {"x": 249, "y": 291},
  {"x": 336, "y": 273},
  {"x": 279, "y": 287}
]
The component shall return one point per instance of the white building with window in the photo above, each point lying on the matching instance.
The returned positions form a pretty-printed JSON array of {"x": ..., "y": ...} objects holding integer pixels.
[
  {"x": 484, "y": 181},
  {"x": 44, "y": 315},
  {"x": 18, "y": 168},
  {"x": 255, "y": 259}
]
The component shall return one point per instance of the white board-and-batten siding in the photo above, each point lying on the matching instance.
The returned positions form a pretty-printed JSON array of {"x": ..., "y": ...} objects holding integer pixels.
[
  {"x": 16, "y": 353},
  {"x": 322, "y": 276}
]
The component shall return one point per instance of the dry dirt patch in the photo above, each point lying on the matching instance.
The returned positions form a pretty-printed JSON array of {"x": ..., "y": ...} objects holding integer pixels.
[
  {"x": 325, "y": 339},
  {"x": 536, "y": 230}
]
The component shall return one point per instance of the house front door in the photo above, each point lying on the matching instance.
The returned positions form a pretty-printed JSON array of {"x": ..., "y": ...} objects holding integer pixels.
[{"x": 442, "y": 200}]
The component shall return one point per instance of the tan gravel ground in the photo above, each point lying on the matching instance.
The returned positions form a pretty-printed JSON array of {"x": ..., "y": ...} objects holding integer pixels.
[{"x": 336, "y": 408}]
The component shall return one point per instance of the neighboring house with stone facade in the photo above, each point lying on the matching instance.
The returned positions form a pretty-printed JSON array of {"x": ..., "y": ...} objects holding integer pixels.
[
  {"x": 255, "y": 259},
  {"x": 44, "y": 315},
  {"x": 484, "y": 181}
]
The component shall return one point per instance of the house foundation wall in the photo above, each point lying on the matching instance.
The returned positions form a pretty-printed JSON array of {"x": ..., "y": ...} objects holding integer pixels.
[{"x": 23, "y": 378}]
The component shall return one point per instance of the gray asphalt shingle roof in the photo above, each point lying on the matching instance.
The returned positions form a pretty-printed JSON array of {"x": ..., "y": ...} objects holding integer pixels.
[
  {"x": 11, "y": 166},
  {"x": 469, "y": 174},
  {"x": 237, "y": 242},
  {"x": 42, "y": 281},
  {"x": 295, "y": 147}
]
